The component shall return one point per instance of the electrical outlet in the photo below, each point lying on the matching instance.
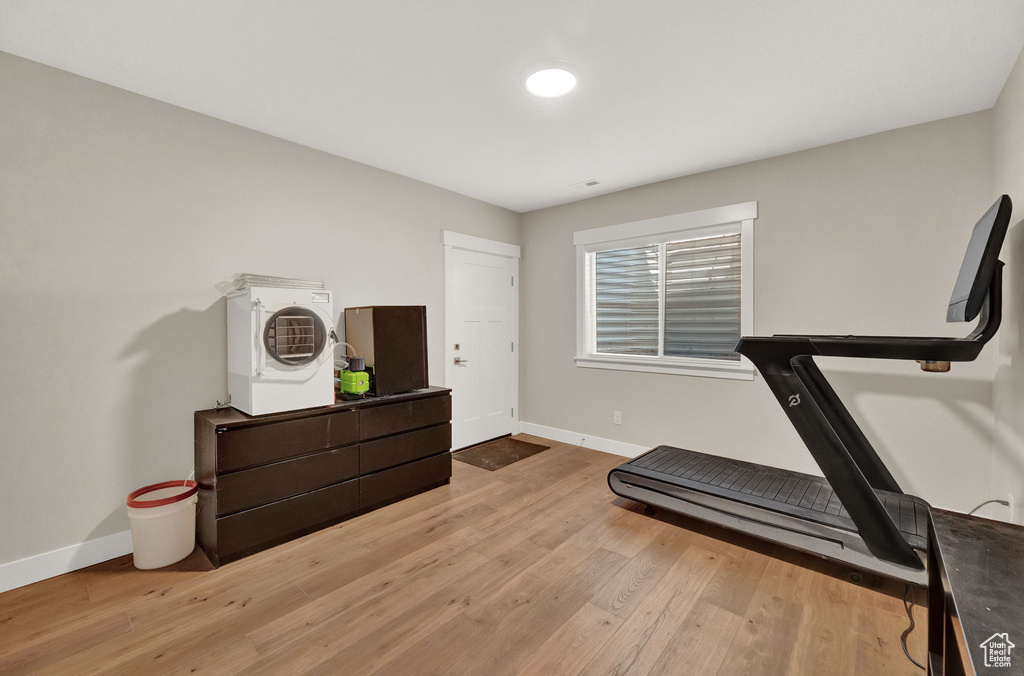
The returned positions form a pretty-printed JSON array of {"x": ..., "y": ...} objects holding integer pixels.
[{"x": 617, "y": 417}]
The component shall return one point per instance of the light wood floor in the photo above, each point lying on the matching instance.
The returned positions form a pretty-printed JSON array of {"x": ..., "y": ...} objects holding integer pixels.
[{"x": 533, "y": 569}]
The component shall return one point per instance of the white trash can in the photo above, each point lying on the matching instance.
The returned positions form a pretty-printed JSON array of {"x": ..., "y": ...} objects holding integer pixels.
[{"x": 163, "y": 518}]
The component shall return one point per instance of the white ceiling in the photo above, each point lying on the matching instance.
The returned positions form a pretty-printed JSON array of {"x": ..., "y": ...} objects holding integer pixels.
[{"x": 433, "y": 89}]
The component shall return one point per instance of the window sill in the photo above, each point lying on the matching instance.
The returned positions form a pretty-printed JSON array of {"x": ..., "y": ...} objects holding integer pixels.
[{"x": 707, "y": 368}]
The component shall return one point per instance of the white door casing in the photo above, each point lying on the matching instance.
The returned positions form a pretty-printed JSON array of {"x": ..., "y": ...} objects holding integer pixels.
[{"x": 481, "y": 317}]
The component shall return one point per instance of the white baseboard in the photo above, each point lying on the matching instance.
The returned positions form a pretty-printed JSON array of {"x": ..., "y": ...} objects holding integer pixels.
[
  {"x": 596, "y": 443},
  {"x": 51, "y": 564}
]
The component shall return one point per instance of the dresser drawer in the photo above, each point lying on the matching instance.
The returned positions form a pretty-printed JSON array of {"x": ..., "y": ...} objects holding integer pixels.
[
  {"x": 380, "y": 421},
  {"x": 390, "y": 451},
  {"x": 258, "y": 486},
  {"x": 398, "y": 481},
  {"x": 260, "y": 444},
  {"x": 254, "y": 529}
]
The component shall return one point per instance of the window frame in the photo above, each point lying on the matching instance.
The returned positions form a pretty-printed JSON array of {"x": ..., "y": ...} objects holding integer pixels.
[{"x": 708, "y": 222}]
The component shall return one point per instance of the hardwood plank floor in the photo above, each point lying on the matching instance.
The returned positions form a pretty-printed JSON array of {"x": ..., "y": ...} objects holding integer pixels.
[{"x": 536, "y": 568}]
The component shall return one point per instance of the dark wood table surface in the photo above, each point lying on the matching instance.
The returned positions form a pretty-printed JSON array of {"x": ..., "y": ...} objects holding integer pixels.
[
  {"x": 983, "y": 562},
  {"x": 229, "y": 417}
]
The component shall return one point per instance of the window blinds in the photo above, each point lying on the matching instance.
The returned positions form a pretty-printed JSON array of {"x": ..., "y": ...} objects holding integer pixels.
[
  {"x": 701, "y": 290},
  {"x": 702, "y": 297},
  {"x": 626, "y": 300}
]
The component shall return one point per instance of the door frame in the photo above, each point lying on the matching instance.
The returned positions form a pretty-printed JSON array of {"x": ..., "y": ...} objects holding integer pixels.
[{"x": 454, "y": 240}]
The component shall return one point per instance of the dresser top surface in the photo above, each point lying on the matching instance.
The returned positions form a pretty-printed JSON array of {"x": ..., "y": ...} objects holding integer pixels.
[
  {"x": 983, "y": 563},
  {"x": 230, "y": 417}
]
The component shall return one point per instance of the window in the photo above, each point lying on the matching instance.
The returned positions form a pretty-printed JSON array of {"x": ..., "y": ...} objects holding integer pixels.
[{"x": 669, "y": 295}]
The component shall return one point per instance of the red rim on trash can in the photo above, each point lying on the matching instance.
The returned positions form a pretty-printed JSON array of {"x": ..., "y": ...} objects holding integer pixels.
[{"x": 191, "y": 489}]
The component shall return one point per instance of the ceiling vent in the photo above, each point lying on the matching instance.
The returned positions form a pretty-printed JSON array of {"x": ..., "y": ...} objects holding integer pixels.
[{"x": 585, "y": 184}]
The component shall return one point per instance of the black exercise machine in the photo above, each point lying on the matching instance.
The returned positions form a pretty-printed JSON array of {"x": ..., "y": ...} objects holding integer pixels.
[{"x": 857, "y": 513}]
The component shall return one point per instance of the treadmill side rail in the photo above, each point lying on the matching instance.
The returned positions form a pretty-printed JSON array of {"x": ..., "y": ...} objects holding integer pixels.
[{"x": 909, "y": 348}]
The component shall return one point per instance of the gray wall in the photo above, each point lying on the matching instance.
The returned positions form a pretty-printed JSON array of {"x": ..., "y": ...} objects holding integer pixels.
[
  {"x": 864, "y": 236},
  {"x": 118, "y": 214},
  {"x": 1008, "y": 395}
]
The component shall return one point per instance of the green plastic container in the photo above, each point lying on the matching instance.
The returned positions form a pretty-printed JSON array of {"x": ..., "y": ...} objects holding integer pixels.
[{"x": 354, "y": 382}]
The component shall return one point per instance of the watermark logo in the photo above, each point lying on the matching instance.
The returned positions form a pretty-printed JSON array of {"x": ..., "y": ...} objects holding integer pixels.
[
  {"x": 794, "y": 400},
  {"x": 997, "y": 649}
]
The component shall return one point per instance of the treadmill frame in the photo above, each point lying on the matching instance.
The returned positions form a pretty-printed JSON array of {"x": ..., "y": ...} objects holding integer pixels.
[
  {"x": 837, "y": 444},
  {"x": 843, "y": 453}
]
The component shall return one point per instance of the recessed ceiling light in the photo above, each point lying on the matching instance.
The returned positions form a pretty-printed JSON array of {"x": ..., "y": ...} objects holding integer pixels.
[{"x": 550, "y": 82}]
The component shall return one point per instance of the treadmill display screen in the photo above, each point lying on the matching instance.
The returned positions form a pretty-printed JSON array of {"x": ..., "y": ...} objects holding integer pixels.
[{"x": 979, "y": 263}]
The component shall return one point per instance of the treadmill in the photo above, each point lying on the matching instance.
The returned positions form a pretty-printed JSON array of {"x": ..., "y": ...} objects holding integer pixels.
[{"x": 856, "y": 514}]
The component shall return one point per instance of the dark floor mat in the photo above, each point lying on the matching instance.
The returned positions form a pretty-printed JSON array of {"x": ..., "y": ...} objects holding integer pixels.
[{"x": 498, "y": 453}]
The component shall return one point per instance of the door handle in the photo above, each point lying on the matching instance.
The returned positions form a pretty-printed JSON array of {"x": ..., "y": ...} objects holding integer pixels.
[
  {"x": 261, "y": 357},
  {"x": 460, "y": 360}
]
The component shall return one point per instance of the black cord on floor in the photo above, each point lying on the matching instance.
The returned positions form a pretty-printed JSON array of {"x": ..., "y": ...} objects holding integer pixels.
[{"x": 909, "y": 605}]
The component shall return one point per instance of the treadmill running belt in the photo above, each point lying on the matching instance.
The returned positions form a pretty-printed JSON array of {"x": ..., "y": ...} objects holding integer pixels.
[{"x": 802, "y": 495}]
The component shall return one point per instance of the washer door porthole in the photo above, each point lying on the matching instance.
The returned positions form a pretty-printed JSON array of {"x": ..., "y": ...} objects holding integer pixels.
[{"x": 294, "y": 336}]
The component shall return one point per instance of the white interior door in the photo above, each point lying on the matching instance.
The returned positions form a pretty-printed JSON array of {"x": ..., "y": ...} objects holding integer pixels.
[{"x": 482, "y": 366}]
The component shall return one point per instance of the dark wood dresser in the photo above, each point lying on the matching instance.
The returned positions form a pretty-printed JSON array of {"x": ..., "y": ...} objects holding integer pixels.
[{"x": 272, "y": 478}]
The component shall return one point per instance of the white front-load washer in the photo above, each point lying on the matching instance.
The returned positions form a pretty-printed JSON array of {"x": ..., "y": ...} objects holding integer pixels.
[{"x": 280, "y": 349}]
